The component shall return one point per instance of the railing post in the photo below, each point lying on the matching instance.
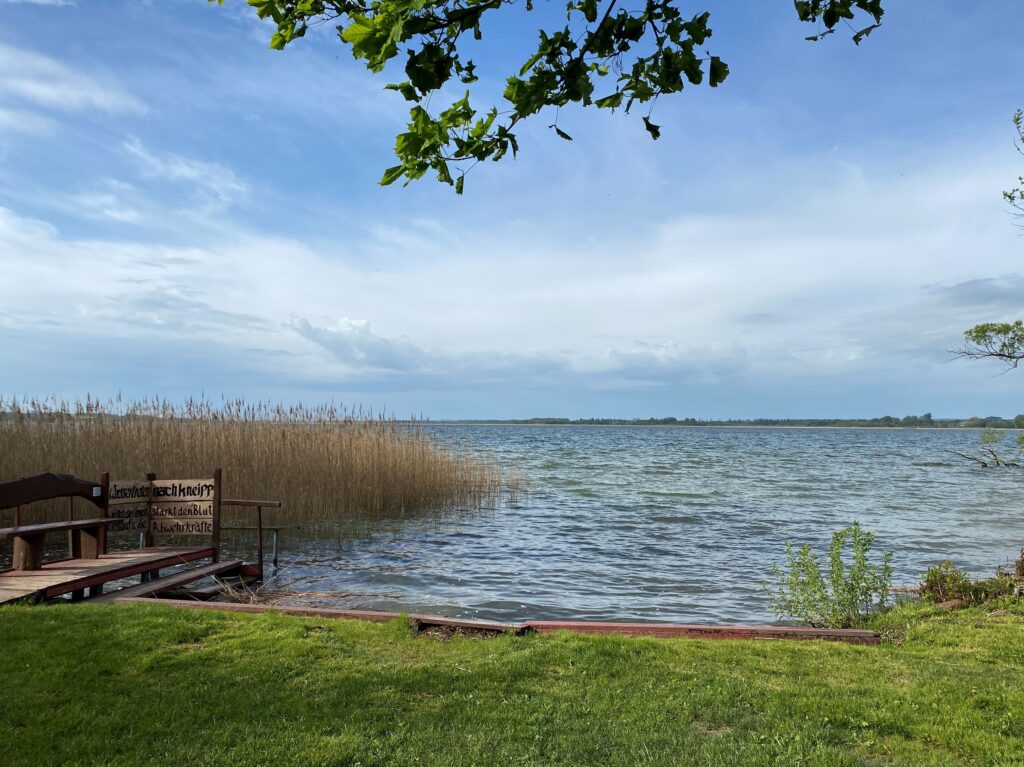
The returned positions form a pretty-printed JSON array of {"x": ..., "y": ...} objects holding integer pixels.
[
  {"x": 259, "y": 539},
  {"x": 71, "y": 533},
  {"x": 217, "y": 476},
  {"x": 105, "y": 508},
  {"x": 147, "y": 540}
]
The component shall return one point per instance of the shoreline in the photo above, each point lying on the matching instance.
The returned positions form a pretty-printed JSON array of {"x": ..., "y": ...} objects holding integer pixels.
[{"x": 712, "y": 426}]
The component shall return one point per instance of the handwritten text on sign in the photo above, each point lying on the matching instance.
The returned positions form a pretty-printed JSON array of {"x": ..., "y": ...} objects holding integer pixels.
[
  {"x": 172, "y": 506},
  {"x": 129, "y": 505}
]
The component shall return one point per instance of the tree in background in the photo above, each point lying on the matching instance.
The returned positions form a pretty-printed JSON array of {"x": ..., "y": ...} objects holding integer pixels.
[
  {"x": 610, "y": 54},
  {"x": 1001, "y": 340},
  {"x": 1015, "y": 196},
  {"x": 996, "y": 340}
]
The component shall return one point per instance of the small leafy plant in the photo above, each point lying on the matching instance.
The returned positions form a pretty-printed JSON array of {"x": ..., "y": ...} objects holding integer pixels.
[
  {"x": 944, "y": 582},
  {"x": 842, "y": 597}
]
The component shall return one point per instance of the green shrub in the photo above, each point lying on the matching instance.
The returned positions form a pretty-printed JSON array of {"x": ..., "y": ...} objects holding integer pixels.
[
  {"x": 944, "y": 582},
  {"x": 841, "y": 598},
  {"x": 1002, "y": 585}
]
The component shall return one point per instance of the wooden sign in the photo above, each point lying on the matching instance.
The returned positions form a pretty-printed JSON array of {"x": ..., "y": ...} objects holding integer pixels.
[
  {"x": 164, "y": 507},
  {"x": 128, "y": 503},
  {"x": 182, "y": 506}
]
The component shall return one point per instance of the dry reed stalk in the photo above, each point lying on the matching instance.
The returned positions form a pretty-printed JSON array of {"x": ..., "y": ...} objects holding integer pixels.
[{"x": 324, "y": 463}]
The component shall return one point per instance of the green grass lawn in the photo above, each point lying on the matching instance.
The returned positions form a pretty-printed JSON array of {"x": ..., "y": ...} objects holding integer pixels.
[{"x": 152, "y": 685}]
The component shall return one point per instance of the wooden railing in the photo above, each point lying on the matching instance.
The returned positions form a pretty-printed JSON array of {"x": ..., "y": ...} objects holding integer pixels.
[{"x": 258, "y": 527}]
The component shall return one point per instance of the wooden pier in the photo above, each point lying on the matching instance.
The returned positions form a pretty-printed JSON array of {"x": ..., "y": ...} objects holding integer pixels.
[
  {"x": 69, "y": 576},
  {"x": 149, "y": 509}
]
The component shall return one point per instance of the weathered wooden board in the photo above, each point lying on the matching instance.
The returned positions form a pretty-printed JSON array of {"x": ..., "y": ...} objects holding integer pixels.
[
  {"x": 163, "y": 507},
  {"x": 42, "y": 487},
  {"x": 133, "y": 491},
  {"x": 56, "y": 578},
  {"x": 128, "y": 518},
  {"x": 128, "y": 504},
  {"x": 168, "y": 582},
  {"x": 662, "y": 630},
  {"x": 704, "y": 631},
  {"x": 182, "y": 490}
]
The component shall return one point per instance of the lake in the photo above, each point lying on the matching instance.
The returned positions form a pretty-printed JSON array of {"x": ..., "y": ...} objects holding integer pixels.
[{"x": 669, "y": 523}]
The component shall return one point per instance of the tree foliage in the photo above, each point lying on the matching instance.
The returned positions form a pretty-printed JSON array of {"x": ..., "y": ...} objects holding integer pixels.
[
  {"x": 997, "y": 340},
  {"x": 1015, "y": 196},
  {"x": 1001, "y": 340},
  {"x": 609, "y": 54}
]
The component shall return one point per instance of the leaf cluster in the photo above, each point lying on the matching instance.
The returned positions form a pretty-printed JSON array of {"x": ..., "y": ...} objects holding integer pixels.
[
  {"x": 609, "y": 54},
  {"x": 999, "y": 340},
  {"x": 1015, "y": 196},
  {"x": 845, "y": 594},
  {"x": 831, "y": 12}
]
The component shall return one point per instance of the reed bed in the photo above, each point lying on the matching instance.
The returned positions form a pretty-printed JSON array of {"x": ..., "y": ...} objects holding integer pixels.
[{"x": 325, "y": 464}]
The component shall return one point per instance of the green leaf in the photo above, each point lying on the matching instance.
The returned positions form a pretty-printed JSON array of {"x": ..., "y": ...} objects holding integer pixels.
[
  {"x": 530, "y": 62},
  {"x": 561, "y": 133},
  {"x": 460, "y": 182},
  {"x": 654, "y": 130},
  {"x": 406, "y": 89},
  {"x": 718, "y": 71},
  {"x": 864, "y": 33},
  {"x": 391, "y": 175},
  {"x": 609, "y": 102}
]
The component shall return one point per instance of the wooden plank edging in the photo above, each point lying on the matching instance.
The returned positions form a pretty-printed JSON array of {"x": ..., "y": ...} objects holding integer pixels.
[
  {"x": 703, "y": 631},
  {"x": 420, "y": 622}
]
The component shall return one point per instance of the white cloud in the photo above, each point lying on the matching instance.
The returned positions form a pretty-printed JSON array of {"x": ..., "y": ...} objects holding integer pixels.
[
  {"x": 857, "y": 279},
  {"x": 216, "y": 184},
  {"x": 20, "y": 121},
  {"x": 45, "y": 82},
  {"x": 352, "y": 343},
  {"x": 104, "y": 205}
]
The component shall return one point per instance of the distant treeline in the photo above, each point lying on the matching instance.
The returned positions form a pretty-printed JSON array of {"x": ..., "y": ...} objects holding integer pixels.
[{"x": 886, "y": 421}]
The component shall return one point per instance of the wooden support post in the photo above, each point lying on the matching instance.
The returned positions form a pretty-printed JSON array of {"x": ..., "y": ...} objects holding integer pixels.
[
  {"x": 217, "y": 476},
  {"x": 71, "y": 533},
  {"x": 151, "y": 477},
  {"x": 259, "y": 539},
  {"x": 28, "y": 551},
  {"x": 104, "y": 509},
  {"x": 87, "y": 543},
  {"x": 146, "y": 538}
]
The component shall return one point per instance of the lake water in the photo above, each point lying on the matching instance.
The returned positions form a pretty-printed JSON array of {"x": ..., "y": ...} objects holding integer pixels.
[{"x": 677, "y": 524}]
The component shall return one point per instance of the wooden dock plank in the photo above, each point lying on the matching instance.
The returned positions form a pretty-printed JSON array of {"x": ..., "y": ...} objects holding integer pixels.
[
  {"x": 56, "y": 578},
  {"x": 662, "y": 630},
  {"x": 704, "y": 631},
  {"x": 151, "y": 588}
]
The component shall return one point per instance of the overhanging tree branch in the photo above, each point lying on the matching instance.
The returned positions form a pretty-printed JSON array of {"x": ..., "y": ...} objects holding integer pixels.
[
  {"x": 994, "y": 340},
  {"x": 664, "y": 50}
]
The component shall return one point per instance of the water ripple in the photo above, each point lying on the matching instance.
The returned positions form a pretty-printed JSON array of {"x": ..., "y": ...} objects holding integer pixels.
[{"x": 671, "y": 523}]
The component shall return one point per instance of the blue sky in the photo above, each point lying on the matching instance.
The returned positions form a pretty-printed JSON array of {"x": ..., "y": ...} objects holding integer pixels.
[{"x": 184, "y": 212}]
